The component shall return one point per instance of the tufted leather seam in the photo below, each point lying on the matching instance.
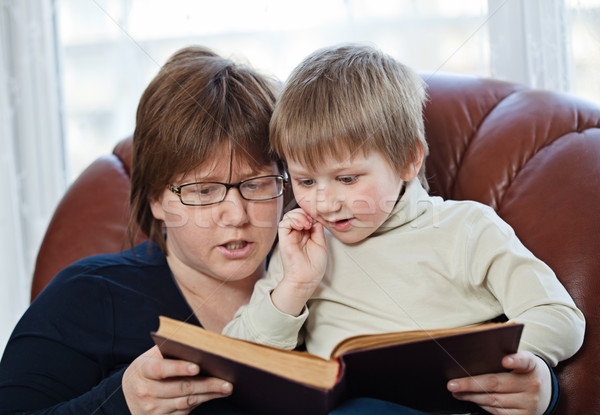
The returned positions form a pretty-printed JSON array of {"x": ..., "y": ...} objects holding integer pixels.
[
  {"x": 533, "y": 155},
  {"x": 471, "y": 138}
]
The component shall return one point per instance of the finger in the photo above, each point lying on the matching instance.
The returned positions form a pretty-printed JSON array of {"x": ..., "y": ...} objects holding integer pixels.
[
  {"x": 296, "y": 220},
  {"x": 488, "y": 383},
  {"x": 158, "y": 369},
  {"x": 494, "y": 402},
  {"x": 152, "y": 352},
  {"x": 301, "y": 215},
  {"x": 521, "y": 362},
  {"x": 189, "y": 402},
  {"x": 318, "y": 234},
  {"x": 185, "y": 404},
  {"x": 192, "y": 386}
]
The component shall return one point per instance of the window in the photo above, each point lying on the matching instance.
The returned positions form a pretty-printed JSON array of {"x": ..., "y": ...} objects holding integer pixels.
[
  {"x": 112, "y": 48},
  {"x": 583, "y": 31}
]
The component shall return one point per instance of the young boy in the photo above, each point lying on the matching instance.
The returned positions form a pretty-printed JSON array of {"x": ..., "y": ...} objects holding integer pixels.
[{"x": 349, "y": 125}]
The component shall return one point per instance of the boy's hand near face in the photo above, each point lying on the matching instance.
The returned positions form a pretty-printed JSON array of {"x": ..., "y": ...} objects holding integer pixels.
[{"x": 304, "y": 258}]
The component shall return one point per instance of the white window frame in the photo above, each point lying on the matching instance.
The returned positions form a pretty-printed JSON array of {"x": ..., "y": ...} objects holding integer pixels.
[
  {"x": 32, "y": 162},
  {"x": 529, "y": 43}
]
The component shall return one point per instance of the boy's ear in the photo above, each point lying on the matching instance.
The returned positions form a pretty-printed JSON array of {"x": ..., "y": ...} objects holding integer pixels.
[{"x": 412, "y": 170}]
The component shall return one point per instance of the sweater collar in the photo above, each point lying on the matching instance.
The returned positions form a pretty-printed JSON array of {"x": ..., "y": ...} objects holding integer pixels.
[{"x": 413, "y": 203}]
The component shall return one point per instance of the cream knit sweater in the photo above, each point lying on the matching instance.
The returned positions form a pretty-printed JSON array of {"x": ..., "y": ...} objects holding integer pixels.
[{"x": 432, "y": 264}]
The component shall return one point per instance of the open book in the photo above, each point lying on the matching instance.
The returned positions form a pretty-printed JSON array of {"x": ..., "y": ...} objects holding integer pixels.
[{"x": 410, "y": 368}]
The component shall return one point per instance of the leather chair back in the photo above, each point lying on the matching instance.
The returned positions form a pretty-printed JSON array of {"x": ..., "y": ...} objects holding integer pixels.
[{"x": 534, "y": 156}]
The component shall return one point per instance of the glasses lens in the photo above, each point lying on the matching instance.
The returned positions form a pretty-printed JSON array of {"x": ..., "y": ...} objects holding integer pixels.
[
  {"x": 262, "y": 188},
  {"x": 202, "y": 193}
]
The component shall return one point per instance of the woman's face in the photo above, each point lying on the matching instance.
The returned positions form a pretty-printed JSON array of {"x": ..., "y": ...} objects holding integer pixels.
[{"x": 227, "y": 241}]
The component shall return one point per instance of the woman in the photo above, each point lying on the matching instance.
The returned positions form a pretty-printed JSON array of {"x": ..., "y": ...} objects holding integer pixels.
[{"x": 84, "y": 345}]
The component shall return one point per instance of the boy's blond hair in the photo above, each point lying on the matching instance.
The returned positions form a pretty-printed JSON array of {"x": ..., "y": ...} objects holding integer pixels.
[{"x": 348, "y": 99}]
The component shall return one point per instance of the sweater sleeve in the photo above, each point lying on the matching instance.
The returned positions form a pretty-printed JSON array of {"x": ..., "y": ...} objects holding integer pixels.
[
  {"x": 58, "y": 359},
  {"x": 260, "y": 321},
  {"x": 527, "y": 289},
  {"x": 37, "y": 398}
]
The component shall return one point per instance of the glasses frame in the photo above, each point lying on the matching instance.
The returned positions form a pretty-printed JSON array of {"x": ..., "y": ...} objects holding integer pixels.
[{"x": 177, "y": 189}]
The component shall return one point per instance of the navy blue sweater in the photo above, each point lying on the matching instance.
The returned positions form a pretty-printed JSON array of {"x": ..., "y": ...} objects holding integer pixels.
[{"x": 68, "y": 352}]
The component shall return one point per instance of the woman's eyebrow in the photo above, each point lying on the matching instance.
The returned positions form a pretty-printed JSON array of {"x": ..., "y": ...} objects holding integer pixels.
[
  {"x": 193, "y": 178},
  {"x": 211, "y": 177}
]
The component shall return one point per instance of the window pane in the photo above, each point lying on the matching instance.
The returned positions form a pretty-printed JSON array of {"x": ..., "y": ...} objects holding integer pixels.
[
  {"x": 584, "y": 19},
  {"x": 112, "y": 48}
]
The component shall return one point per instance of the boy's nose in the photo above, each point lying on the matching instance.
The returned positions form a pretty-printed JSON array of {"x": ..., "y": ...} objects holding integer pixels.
[{"x": 328, "y": 201}]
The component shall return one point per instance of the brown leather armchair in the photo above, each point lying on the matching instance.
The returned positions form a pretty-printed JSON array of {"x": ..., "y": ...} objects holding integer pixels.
[{"x": 534, "y": 156}]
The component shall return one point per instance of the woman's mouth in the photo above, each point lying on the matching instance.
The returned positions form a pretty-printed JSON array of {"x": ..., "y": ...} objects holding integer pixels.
[
  {"x": 233, "y": 245},
  {"x": 236, "y": 249}
]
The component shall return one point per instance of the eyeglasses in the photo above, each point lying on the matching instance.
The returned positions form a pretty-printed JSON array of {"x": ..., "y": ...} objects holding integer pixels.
[{"x": 209, "y": 193}]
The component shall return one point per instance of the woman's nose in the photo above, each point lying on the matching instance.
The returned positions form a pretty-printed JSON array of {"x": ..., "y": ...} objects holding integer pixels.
[{"x": 233, "y": 209}]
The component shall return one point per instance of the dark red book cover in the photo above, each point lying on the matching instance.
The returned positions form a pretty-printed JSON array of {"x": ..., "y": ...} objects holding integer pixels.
[{"x": 413, "y": 374}]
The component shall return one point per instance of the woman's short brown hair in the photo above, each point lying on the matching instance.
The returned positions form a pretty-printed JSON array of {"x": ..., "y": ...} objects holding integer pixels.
[
  {"x": 196, "y": 104},
  {"x": 348, "y": 99}
]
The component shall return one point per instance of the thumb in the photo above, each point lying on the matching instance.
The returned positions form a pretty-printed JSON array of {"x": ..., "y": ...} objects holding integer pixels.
[
  {"x": 152, "y": 352},
  {"x": 521, "y": 362}
]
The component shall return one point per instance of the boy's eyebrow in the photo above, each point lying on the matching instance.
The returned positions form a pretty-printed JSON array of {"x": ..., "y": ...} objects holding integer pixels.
[
  {"x": 298, "y": 171},
  {"x": 335, "y": 169}
]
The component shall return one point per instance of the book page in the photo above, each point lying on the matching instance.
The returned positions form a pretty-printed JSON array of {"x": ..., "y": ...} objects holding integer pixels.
[
  {"x": 299, "y": 366},
  {"x": 367, "y": 341}
]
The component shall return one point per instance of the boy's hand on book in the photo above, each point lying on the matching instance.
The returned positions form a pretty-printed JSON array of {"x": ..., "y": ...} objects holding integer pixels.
[
  {"x": 304, "y": 259},
  {"x": 526, "y": 390},
  {"x": 154, "y": 385}
]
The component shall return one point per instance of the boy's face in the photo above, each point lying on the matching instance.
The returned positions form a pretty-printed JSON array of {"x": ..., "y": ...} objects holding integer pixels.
[{"x": 351, "y": 198}]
